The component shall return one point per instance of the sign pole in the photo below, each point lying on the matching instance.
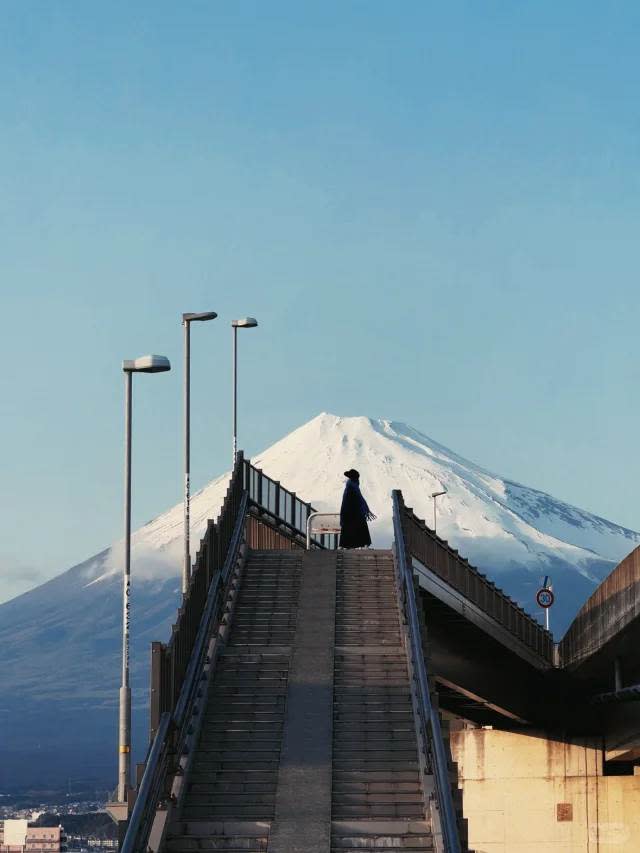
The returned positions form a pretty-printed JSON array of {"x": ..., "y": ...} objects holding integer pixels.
[{"x": 545, "y": 599}]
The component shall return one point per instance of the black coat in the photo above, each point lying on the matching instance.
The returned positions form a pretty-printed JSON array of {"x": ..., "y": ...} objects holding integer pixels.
[{"x": 354, "y": 531}]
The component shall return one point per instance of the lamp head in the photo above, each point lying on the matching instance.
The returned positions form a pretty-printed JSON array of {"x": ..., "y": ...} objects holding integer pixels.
[
  {"x": 245, "y": 323},
  {"x": 147, "y": 364},
  {"x": 203, "y": 315},
  {"x": 437, "y": 494}
]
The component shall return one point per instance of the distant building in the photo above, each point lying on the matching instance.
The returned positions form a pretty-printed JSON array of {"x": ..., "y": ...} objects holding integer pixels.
[
  {"x": 13, "y": 834},
  {"x": 43, "y": 838},
  {"x": 16, "y": 836}
]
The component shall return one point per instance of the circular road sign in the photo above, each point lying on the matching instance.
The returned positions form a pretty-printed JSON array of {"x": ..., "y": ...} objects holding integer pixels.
[{"x": 545, "y": 597}]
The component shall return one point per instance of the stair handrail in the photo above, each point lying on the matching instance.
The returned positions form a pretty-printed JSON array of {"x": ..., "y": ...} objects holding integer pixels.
[
  {"x": 429, "y": 717},
  {"x": 170, "y": 661},
  {"x": 150, "y": 785},
  {"x": 171, "y": 730},
  {"x": 313, "y": 515}
]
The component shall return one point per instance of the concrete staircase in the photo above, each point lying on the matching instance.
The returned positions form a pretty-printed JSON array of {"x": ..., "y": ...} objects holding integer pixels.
[
  {"x": 377, "y": 799},
  {"x": 231, "y": 787},
  {"x": 275, "y": 771}
]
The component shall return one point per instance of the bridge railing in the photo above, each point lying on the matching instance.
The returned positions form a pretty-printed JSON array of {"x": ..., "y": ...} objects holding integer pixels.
[
  {"x": 429, "y": 717},
  {"x": 282, "y": 508},
  {"x": 169, "y": 661},
  {"x": 436, "y": 554},
  {"x": 606, "y": 613}
]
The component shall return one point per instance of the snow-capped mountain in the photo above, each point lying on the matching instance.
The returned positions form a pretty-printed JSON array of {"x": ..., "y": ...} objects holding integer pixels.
[{"x": 60, "y": 642}]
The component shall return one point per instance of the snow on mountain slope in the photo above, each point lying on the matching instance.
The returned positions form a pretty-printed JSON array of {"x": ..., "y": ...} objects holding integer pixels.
[{"x": 60, "y": 641}]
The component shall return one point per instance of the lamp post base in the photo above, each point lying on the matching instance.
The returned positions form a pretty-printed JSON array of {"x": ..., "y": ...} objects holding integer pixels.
[{"x": 119, "y": 812}]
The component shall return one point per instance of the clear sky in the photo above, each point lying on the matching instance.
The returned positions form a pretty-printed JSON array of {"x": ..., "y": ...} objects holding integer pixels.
[{"x": 432, "y": 208}]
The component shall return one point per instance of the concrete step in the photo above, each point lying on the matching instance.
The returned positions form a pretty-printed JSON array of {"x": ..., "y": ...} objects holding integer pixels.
[
  {"x": 390, "y": 797},
  {"x": 245, "y": 741},
  {"x": 229, "y": 810},
  {"x": 371, "y": 777},
  {"x": 211, "y": 767},
  {"x": 268, "y": 712},
  {"x": 384, "y": 787},
  {"x": 361, "y": 766},
  {"x": 229, "y": 844},
  {"x": 349, "y": 709},
  {"x": 406, "y": 740},
  {"x": 376, "y": 810},
  {"x": 244, "y": 774},
  {"x": 370, "y": 665},
  {"x": 384, "y": 843},
  {"x": 245, "y": 788},
  {"x": 226, "y": 798}
]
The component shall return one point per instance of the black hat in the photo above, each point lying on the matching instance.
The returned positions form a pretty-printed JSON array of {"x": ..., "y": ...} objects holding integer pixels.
[{"x": 352, "y": 474}]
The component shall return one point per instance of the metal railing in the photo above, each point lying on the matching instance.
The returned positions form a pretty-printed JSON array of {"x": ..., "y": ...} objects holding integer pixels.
[
  {"x": 332, "y": 529},
  {"x": 150, "y": 791},
  {"x": 285, "y": 509},
  {"x": 438, "y": 556},
  {"x": 429, "y": 717},
  {"x": 169, "y": 661}
]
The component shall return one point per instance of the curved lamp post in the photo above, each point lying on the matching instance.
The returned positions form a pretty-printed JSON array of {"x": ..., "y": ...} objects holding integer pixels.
[
  {"x": 144, "y": 364},
  {"x": 436, "y": 495},
  {"x": 245, "y": 323},
  {"x": 187, "y": 319}
]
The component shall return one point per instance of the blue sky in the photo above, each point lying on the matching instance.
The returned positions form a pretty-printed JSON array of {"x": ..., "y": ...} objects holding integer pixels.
[{"x": 431, "y": 208}]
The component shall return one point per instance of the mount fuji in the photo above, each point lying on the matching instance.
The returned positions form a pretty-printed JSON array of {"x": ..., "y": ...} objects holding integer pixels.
[{"x": 60, "y": 642}]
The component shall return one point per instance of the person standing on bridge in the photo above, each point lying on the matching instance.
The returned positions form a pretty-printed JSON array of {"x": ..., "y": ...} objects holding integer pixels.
[{"x": 354, "y": 514}]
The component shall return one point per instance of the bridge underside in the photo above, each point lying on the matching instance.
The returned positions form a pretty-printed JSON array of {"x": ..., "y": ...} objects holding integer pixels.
[
  {"x": 610, "y": 677},
  {"x": 482, "y": 680}
]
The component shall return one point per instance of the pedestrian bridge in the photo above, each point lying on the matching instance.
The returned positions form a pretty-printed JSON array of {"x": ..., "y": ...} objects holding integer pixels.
[{"x": 297, "y": 705}]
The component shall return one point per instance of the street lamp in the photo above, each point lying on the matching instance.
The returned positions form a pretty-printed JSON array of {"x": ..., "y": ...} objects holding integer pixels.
[
  {"x": 144, "y": 364},
  {"x": 245, "y": 323},
  {"x": 435, "y": 495},
  {"x": 187, "y": 319}
]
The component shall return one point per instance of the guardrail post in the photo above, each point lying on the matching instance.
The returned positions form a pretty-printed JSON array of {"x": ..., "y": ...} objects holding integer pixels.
[
  {"x": 260, "y": 478},
  {"x": 155, "y": 700},
  {"x": 242, "y": 468},
  {"x": 293, "y": 510},
  {"x": 277, "y": 507}
]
